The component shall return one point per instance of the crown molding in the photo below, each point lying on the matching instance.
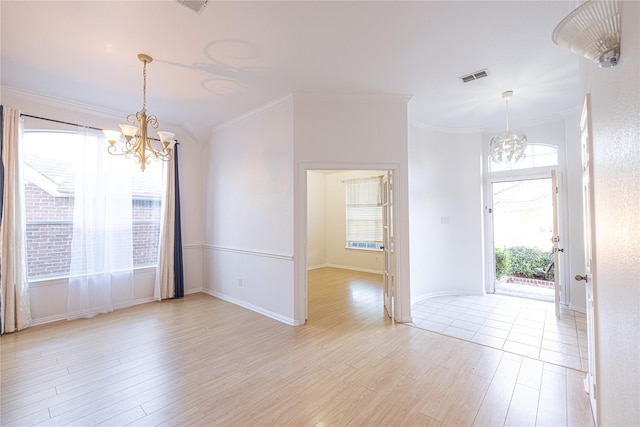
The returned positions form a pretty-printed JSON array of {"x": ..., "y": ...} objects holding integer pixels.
[
  {"x": 353, "y": 97},
  {"x": 444, "y": 129},
  {"x": 255, "y": 112},
  {"x": 60, "y": 103},
  {"x": 528, "y": 123},
  {"x": 563, "y": 115},
  {"x": 89, "y": 110}
]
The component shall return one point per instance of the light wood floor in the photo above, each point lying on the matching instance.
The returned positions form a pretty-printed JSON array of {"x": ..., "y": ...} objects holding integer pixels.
[{"x": 201, "y": 361}]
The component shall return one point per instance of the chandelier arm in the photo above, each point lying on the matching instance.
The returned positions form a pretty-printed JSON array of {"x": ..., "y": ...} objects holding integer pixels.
[
  {"x": 132, "y": 119},
  {"x": 153, "y": 122},
  {"x": 113, "y": 150}
]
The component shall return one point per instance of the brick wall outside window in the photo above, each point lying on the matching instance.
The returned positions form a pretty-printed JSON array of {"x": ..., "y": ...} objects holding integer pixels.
[{"x": 49, "y": 226}]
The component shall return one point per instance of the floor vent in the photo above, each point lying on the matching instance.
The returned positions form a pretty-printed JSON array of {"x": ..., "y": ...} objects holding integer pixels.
[{"x": 474, "y": 76}]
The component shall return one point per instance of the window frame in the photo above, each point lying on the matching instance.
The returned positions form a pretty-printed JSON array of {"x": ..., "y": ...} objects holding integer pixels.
[
  {"x": 154, "y": 197},
  {"x": 519, "y": 167}
]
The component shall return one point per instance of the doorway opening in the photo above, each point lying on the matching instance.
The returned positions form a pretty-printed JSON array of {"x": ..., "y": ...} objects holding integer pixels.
[
  {"x": 345, "y": 232},
  {"x": 523, "y": 249}
]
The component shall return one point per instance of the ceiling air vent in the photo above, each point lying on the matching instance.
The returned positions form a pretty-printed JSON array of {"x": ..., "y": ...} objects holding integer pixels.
[
  {"x": 474, "y": 76},
  {"x": 195, "y": 5}
]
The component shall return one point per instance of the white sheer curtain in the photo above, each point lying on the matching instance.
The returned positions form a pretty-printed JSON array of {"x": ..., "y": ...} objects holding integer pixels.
[
  {"x": 164, "y": 286},
  {"x": 15, "y": 308},
  {"x": 102, "y": 247}
]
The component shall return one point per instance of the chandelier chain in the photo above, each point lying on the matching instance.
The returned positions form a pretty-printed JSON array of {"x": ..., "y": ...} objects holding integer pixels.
[
  {"x": 507, "y": 108},
  {"x": 144, "y": 86}
]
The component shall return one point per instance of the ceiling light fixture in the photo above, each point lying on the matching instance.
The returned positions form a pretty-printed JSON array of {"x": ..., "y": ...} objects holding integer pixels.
[
  {"x": 195, "y": 5},
  {"x": 508, "y": 147},
  {"x": 592, "y": 30},
  {"x": 138, "y": 142}
]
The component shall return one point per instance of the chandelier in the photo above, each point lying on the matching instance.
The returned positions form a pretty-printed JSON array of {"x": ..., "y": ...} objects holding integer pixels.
[
  {"x": 507, "y": 148},
  {"x": 138, "y": 143}
]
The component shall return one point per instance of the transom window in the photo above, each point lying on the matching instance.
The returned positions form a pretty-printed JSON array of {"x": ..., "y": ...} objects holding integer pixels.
[{"x": 536, "y": 155}]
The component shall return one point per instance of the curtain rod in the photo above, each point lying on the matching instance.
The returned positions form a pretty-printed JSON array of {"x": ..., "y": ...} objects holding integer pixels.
[
  {"x": 59, "y": 121},
  {"x": 70, "y": 124}
]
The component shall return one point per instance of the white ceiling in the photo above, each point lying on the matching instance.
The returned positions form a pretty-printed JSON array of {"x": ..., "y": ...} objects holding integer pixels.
[{"x": 234, "y": 56}]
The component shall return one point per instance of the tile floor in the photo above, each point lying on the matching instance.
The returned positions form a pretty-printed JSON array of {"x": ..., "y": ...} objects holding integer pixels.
[{"x": 517, "y": 325}]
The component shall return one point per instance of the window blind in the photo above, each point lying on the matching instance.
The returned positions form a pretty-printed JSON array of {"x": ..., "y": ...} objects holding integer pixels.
[{"x": 364, "y": 211}]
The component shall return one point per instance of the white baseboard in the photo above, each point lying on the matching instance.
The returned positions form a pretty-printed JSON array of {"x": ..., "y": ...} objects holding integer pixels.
[
  {"x": 348, "y": 267},
  {"x": 255, "y": 308},
  {"x": 63, "y": 316},
  {"x": 442, "y": 294},
  {"x": 343, "y": 267}
]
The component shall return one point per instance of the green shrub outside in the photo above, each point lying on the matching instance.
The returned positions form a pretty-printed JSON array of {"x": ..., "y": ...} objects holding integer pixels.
[
  {"x": 503, "y": 260},
  {"x": 523, "y": 261}
]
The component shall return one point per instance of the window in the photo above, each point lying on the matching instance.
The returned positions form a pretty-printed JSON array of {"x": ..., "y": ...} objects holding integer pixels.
[
  {"x": 364, "y": 213},
  {"x": 49, "y": 176},
  {"x": 536, "y": 155}
]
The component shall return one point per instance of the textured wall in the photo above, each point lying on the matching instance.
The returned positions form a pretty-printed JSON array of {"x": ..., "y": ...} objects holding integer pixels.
[{"x": 615, "y": 99}]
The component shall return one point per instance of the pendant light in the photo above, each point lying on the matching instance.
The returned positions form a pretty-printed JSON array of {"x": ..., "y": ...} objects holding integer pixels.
[{"x": 507, "y": 148}]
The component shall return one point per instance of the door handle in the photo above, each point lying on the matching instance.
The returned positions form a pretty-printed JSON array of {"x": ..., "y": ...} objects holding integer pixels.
[{"x": 579, "y": 277}]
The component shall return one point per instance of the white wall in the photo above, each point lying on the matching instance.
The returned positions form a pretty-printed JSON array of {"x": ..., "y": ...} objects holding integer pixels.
[
  {"x": 445, "y": 184},
  {"x": 49, "y": 297},
  {"x": 352, "y": 132},
  {"x": 316, "y": 220},
  {"x": 249, "y": 211},
  {"x": 615, "y": 101}
]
